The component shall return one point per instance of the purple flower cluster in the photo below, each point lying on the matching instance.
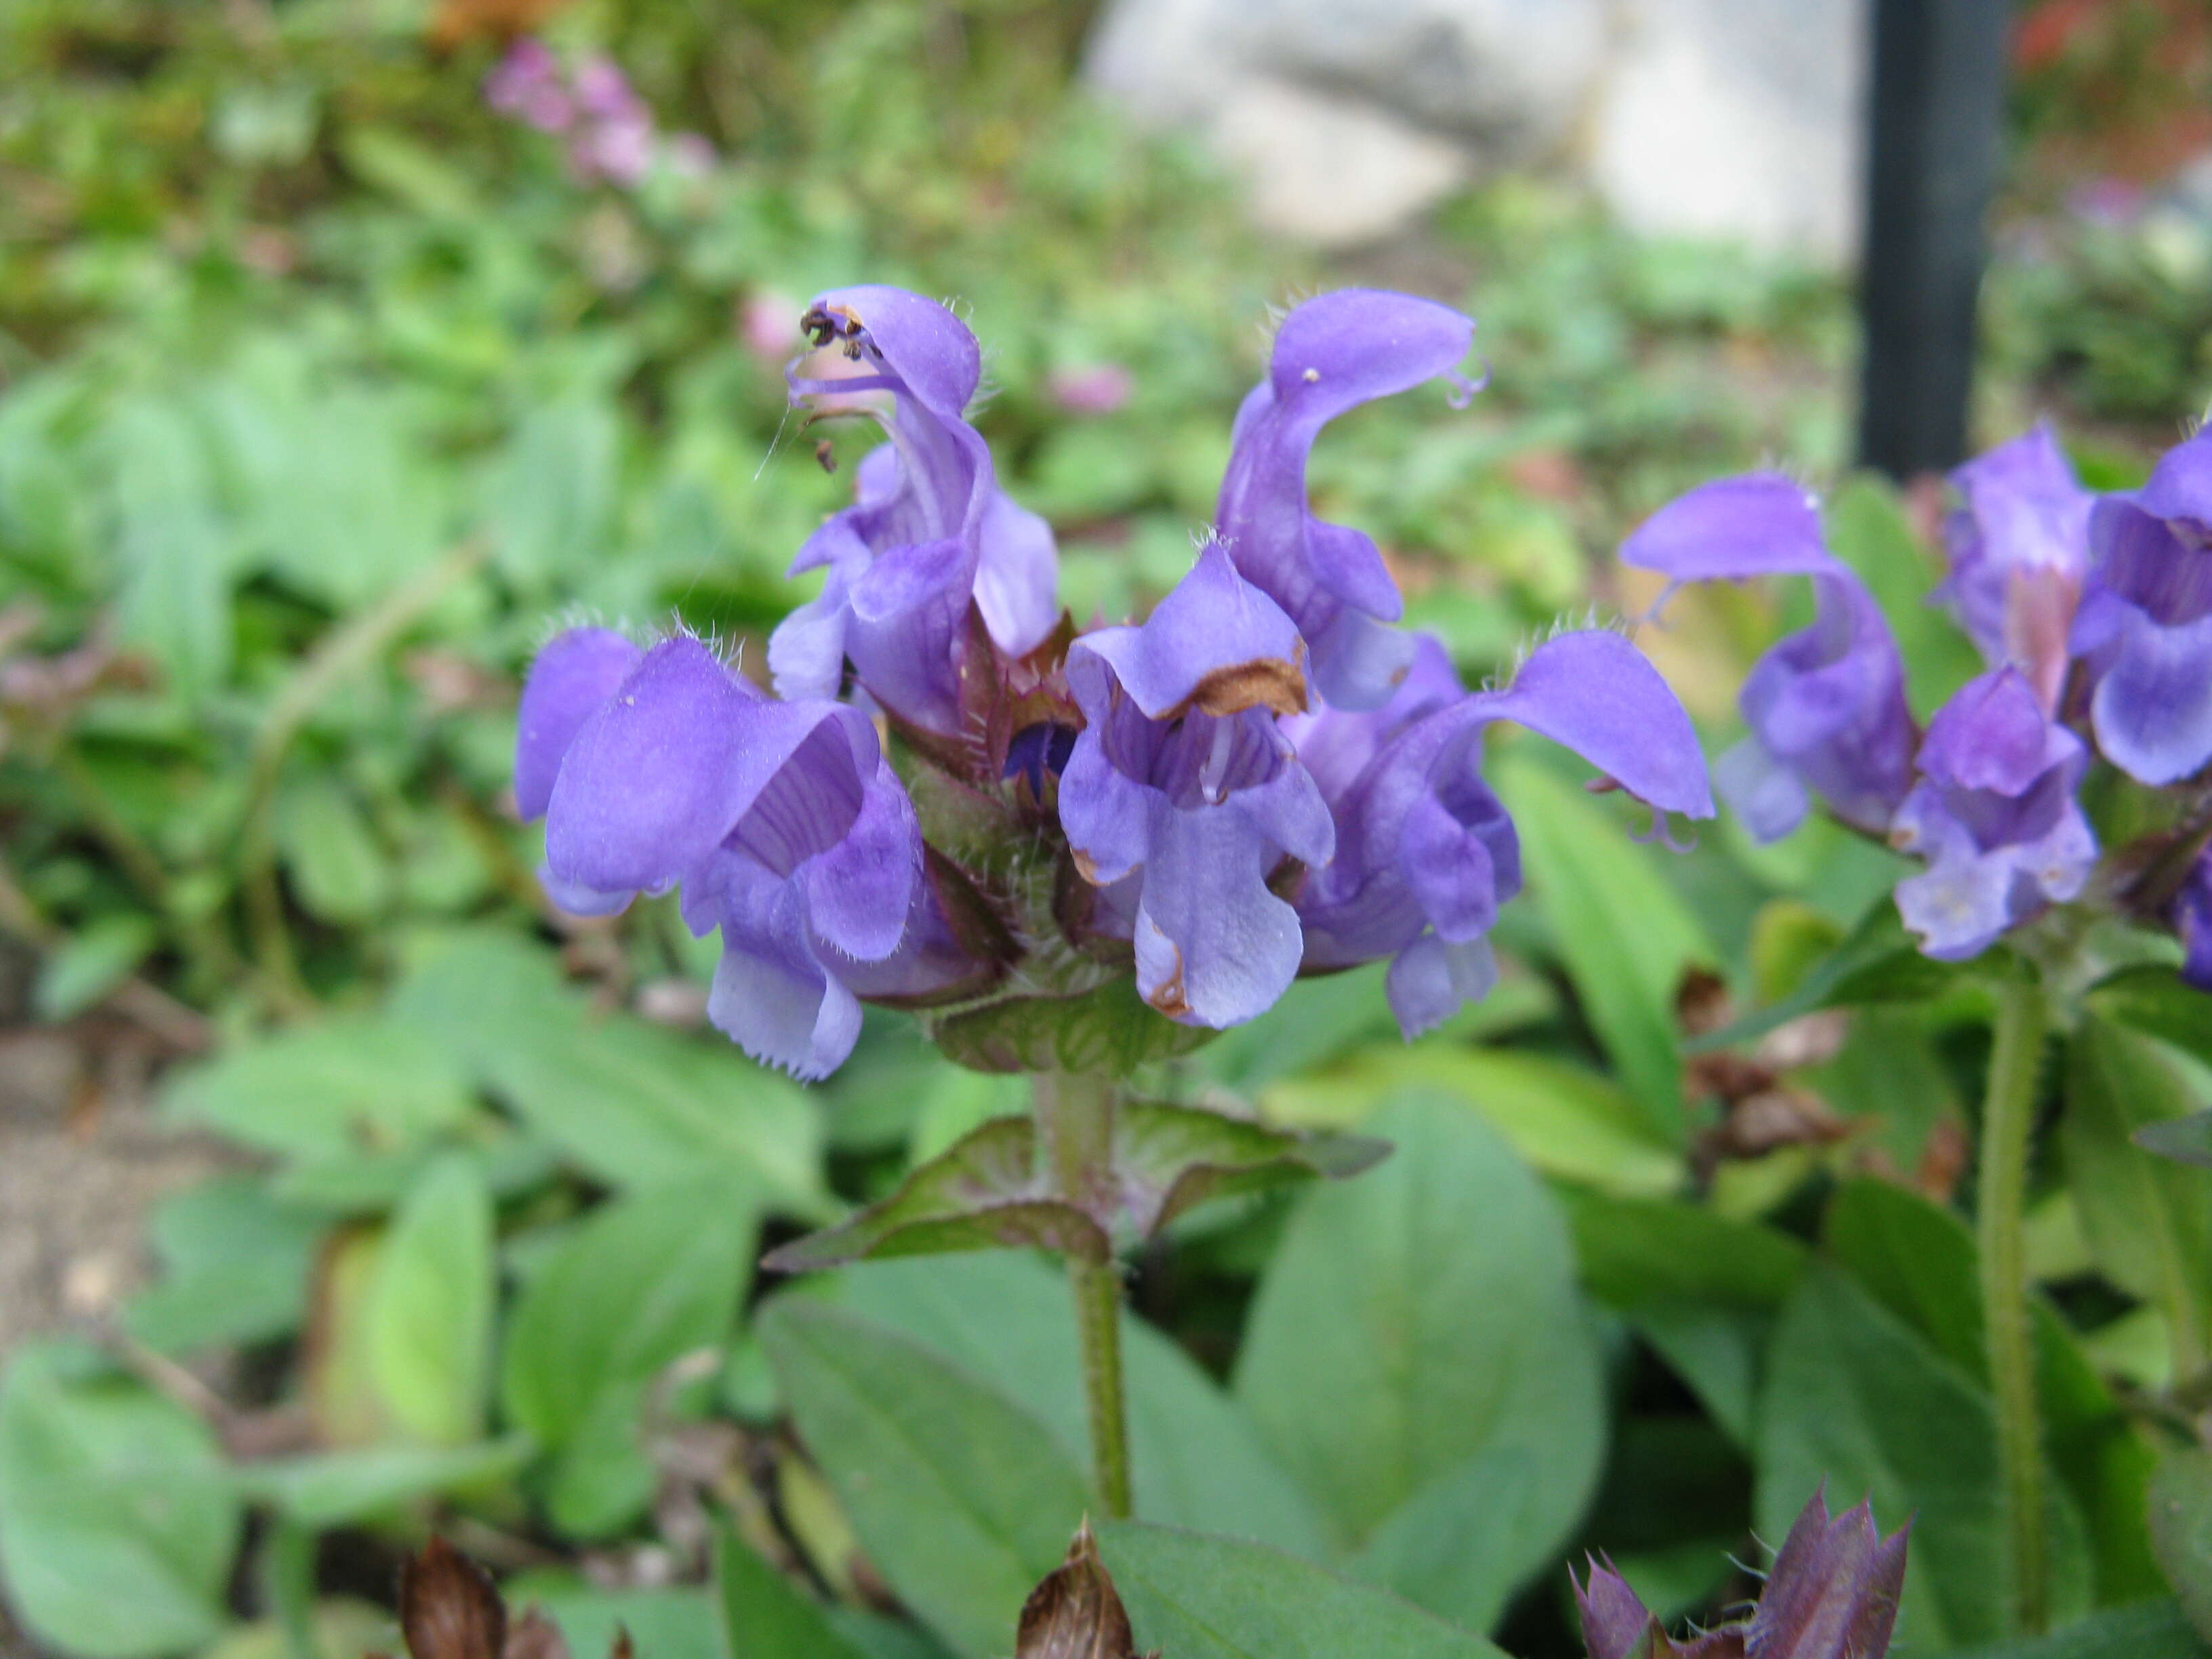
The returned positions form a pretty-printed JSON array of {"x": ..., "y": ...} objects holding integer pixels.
[
  {"x": 1263, "y": 778},
  {"x": 611, "y": 132},
  {"x": 2095, "y": 615}
]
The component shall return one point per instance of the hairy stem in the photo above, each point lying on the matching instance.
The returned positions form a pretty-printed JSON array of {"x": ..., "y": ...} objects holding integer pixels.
[
  {"x": 1075, "y": 1131},
  {"x": 2008, "y": 1128}
]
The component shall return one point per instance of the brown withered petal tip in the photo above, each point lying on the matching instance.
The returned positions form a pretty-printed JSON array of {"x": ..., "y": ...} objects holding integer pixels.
[
  {"x": 1266, "y": 682},
  {"x": 1075, "y": 1613},
  {"x": 449, "y": 1608}
]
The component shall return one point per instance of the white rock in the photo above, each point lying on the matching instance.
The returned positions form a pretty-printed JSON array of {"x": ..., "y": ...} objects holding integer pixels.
[
  {"x": 1738, "y": 118},
  {"x": 1331, "y": 171}
]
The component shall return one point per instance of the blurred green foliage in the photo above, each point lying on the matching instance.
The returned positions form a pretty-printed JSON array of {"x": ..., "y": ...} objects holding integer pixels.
[{"x": 329, "y": 392}]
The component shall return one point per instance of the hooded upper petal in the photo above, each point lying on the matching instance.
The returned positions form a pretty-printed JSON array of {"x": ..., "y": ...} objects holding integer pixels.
[
  {"x": 1331, "y": 355},
  {"x": 1825, "y": 704},
  {"x": 570, "y": 678},
  {"x": 929, "y": 531},
  {"x": 2018, "y": 547}
]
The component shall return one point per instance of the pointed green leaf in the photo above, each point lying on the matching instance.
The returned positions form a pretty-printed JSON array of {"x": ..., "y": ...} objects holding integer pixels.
[
  {"x": 765, "y": 1614},
  {"x": 428, "y": 1317},
  {"x": 2181, "y": 1528}
]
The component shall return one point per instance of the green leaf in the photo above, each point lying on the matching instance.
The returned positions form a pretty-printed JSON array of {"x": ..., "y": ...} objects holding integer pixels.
[
  {"x": 661, "y": 1624},
  {"x": 1565, "y": 1120},
  {"x": 2152, "y": 999},
  {"x": 2181, "y": 1529},
  {"x": 414, "y": 175},
  {"x": 1854, "y": 1399},
  {"x": 343, "y": 1086},
  {"x": 1196, "y": 1458},
  {"x": 2147, "y": 1219},
  {"x": 1879, "y": 962},
  {"x": 1422, "y": 1316},
  {"x": 1867, "y": 528},
  {"x": 340, "y": 1488},
  {"x": 235, "y": 1267},
  {"x": 117, "y": 1522},
  {"x": 1109, "y": 1031},
  {"x": 640, "y": 1283},
  {"x": 1451, "y": 1547},
  {"x": 765, "y": 1614},
  {"x": 428, "y": 1315},
  {"x": 91, "y": 963},
  {"x": 984, "y": 1192},
  {"x": 1197, "y": 1597},
  {"x": 1168, "y": 1159},
  {"x": 553, "y": 497},
  {"x": 1919, "y": 1261},
  {"x": 2151, "y": 1629},
  {"x": 334, "y": 863},
  {"x": 961, "y": 1499},
  {"x": 1623, "y": 935},
  {"x": 1699, "y": 1287},
  {"x": 633, "y": 1104}
]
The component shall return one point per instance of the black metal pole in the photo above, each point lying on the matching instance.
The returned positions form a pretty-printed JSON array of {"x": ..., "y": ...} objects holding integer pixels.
[{"x": 1935, "y": 136}]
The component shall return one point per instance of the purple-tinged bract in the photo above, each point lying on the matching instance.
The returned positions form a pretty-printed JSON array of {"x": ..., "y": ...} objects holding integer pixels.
[
  {"x": 1182, "y": 782},
  {"x": 1826, "y": 706},
  {"x": 2192, "y": 921},
  {"x": 1995, "y": 815},
  {"x": 1331, "y": 355},
  {"x": 929, "y": 531},
  {"x": 2145, "y": 624}
]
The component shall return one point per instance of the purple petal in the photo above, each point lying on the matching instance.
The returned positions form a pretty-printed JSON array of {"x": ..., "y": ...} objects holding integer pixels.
[
  {"x": 1455, "y": 839},
  {"x": 2193, "y": 921},
  {"x": 1214, "y": 947},
  {"x": 2019, "y": 543},
  {"x": 859, "y": 891},
  {"x": 1595, "y": 693},
  {"x": 917, "y": 341},
  {"x": 1331, "y": 355},
  {"x": 1429, "y": 981},
  {"x": 807, "y": 653},
  {"x": 1768, "y": 796},
  {"x": 1761, "y": 523},
  {"x": 2181, "y": 489},
  {"x": 2152, "y": 709},
  {"x": 571, "y": 678},
  {"x": 1018, "y": 580},
  {"x": 771, "y": 993},
  {"x": 1216, "y": 643}
]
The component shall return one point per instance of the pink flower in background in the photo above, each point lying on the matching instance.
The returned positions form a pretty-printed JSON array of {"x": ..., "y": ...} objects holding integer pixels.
[
  {"x": 611, "y": 132},
  {"x": 1094, "y": 389},
  {"x": 527, "y": 84}
]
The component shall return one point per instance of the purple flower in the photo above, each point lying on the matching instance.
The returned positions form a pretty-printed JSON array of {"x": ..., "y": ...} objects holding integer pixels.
[
  {"x": 527, "y": 84},
  {"x": 2192, "y": 921},
  {"x": 1183, "y": 785},
  {"x": 1331, "y": 355},
  {"x": 929, "y": 533},
  {"x": 1995, "y": 815},
  {"x": 1826, "y": 706},
  {"x": 782, "y": 820},
  {"x": 1832, "y": 1595},
  {"x": 2145, "y": 624},
  {"x": 2019, "y": 548},
  {"x": 1425, "y": 853}
]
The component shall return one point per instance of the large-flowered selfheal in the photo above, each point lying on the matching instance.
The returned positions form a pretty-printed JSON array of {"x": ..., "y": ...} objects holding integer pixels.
[
  {"x": 2145, "y": 625},
  {"x": 1331, "y": 355},
  {"x": 1182, "y": 784},
  {"x": 1425, "y": 854},
  {"x": 2018, "y": 547},
  {"x": 783, "y": 822},
  {"x": 1995, "y": 815},
  {"x": 1826, "y": 706},
  {"x": 929, "y": 531}
]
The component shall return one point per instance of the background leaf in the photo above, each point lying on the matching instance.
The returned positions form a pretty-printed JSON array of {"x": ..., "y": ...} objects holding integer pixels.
[{"x": 429, "y": 1309}]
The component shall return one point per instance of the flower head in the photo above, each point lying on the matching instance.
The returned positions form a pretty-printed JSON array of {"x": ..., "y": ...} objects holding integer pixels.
[
  {"x": 929, "y": 533},
  {"x": 1183, "y": 783},
  {"x": 782, "y": 821},
  {"x": 2145, "y": 624},
  {"x": 1995, "y": 815},
  {"x": 2019, "y": 548},
  {"x": 1331, "y": 355},
  {"x": 1826, "y": 706},
  {"x": 1426, "y": 854}
]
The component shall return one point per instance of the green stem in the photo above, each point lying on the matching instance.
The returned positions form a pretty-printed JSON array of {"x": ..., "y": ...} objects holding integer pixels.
[
  {"x": 1075, "y": 1128},
  {"x": 2008, "y": 1127}
]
